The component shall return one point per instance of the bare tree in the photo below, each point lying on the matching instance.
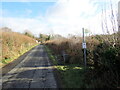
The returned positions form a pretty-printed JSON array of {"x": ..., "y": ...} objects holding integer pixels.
[
  {"x": 112, "y": 26},
  {"x": 119, "y": 16}
]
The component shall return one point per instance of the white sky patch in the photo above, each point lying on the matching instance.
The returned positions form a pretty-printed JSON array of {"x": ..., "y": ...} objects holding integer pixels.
[
  {"x": 65, "y": 17},
  {"x": 29, "y": 0},
  {"x": 71, "y": 16},
  {"x": 22, "y": 24}
]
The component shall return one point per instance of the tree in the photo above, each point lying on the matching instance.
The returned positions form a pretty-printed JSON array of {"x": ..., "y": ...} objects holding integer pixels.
[
  {"x": 28, "y": 33},
  {"x": 44, "y": 37},
  {"x": 109, "y": 23}
]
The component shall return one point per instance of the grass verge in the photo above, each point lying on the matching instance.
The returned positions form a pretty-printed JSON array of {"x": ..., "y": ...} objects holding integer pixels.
[{"x": 72, "y": 75}]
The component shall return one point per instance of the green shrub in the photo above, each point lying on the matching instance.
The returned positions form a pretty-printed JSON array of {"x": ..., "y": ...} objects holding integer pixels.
[{"x": 103, "y": 54}]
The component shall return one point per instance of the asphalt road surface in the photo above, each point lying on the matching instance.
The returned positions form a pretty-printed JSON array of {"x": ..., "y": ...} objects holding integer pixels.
[{"x": 34, "y": 71}]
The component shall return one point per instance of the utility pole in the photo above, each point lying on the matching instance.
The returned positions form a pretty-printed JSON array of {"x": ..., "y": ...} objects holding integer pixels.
[{"x": 84, "y": 47}]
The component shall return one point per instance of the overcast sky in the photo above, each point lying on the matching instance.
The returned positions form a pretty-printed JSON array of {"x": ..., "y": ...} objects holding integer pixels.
[{"x": 54, "y": 16}]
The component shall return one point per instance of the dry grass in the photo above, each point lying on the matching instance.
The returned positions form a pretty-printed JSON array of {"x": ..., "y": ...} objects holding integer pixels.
[{"x": 13, "y": 45}]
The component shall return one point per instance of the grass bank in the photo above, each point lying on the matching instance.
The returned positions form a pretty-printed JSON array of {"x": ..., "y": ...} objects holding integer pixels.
[
  {"x": 9, "y": 60},
  {"x": 72, "y": 75},
  {"x": 14, "y": 45}
]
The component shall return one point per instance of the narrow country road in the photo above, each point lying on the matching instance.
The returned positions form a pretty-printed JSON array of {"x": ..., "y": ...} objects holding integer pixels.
[{"x": 35, "y": 71}]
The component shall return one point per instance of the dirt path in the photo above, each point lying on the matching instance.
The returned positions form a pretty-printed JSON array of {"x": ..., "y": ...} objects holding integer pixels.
[{"x": 35, "y": 71}]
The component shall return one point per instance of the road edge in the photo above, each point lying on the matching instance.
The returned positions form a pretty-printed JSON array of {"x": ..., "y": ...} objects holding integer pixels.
[
  {"x": 55, "y": 72},
  {"x": 13, "y": 64}
]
